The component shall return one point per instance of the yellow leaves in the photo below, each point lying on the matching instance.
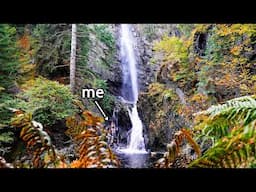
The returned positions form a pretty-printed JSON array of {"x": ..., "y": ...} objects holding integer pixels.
[
  {"x": 251, "y": 141},
  {"x": 200, "y": 119},
  {"x": 198, "y": 60},
  {"x": 187, "y": 43},
  {"x": 227, "y": 80},
  {"x": 47, "y": 159},
  {"x": 223, "y": 30},
  {"x": 236, "y": 50},
  {"x": 61, "y": 164},
  {"x": 253, "y": 77},
  {"x": 76, "y": 125},
  {"x": 173, "y": 47},
  {"x": 29, "y": 83},
  {"x": 27, "y": 68},
  {"x": 236, "y": 29},
  {"x": 244, "y": 87},
  {"x": 201, "y": 28},
  {"x": 199, "y": 98}
]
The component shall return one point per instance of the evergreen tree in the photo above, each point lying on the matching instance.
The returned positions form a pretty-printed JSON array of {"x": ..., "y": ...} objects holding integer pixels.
[{"x": 8, "y": 56}]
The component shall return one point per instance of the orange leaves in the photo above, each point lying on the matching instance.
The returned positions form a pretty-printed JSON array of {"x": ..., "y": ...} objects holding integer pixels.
[
  {"x": 92, "y": 120},
  {"x": 174, "y": 146},
  {"x": 24, "y": 42},
  {"x": 186, "y": 134},
  {"x": 236, "y": 50},
  {"x": 199, "y": 98},
  {"x": 197, "y": 102},
  {"x": 38, "y": 143},
  {"x": 76, "y": 164},
  {"x": 78, "y": 124},
  {"x": 93, "y": 151},
  {"x": 90, "y": 135},
  {"x": 227, "y": 80}
]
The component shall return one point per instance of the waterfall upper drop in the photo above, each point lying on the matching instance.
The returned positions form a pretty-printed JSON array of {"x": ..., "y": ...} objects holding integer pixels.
[{"x": 130, "y": 90}]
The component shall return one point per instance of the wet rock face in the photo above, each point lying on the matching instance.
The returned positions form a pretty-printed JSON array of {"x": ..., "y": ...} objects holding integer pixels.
[
  {"x": 144, "y": 53},
  {"x": 122, "y": 121},
  {"x": 158, "y": 111}
]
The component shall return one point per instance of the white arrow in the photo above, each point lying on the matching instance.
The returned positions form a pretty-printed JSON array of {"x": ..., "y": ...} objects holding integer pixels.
[{"x": 104, "y": 115}]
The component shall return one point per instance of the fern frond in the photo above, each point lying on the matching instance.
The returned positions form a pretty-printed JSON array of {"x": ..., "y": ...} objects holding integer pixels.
[
  {"x": 236, "y": 150},
  {"x": 90, "y": 135},
  {"x": 221, "y": 118},
  {"x": 232, "y": 125},
  {"x": 38, "y": 142},
  {"x": 173, "y": 148}
]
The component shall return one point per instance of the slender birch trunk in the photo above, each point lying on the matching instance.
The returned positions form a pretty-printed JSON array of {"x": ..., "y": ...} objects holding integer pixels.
[{"x": 73, "y": 58}]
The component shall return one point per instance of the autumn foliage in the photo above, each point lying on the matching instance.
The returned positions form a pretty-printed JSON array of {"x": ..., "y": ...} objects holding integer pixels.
[
  {"x": 38, "y": 143},
  {"x": 174, "y": 148},
  {"x": 90, "y": 136}
]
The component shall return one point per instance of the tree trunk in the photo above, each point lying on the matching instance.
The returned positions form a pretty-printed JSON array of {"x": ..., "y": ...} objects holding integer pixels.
[{"x": 73, "y": 58}]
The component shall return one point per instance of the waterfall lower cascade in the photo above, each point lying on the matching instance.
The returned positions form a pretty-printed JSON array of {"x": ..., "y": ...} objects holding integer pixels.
[{"x": 130, "y": 90}]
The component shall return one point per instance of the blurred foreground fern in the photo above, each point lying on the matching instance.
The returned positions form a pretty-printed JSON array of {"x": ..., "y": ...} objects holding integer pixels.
[{"x": 90, "y": 135}]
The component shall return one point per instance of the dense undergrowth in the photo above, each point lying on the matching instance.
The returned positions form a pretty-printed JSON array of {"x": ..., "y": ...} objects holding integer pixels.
[{"x": 205, "y": 80}]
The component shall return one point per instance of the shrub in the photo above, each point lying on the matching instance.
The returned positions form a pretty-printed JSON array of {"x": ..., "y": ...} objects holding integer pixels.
[{"x": 48, "y": 101}]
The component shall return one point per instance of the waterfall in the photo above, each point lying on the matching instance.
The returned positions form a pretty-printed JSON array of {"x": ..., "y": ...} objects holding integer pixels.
[{"x": 130, "y": 90}]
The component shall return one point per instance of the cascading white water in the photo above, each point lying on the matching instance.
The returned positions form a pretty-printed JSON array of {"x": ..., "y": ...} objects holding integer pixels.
[{"x": 130, "y": 90}]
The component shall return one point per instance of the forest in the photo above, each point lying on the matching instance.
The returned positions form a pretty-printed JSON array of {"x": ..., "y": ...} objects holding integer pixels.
[{"x": 166, "y": 95}]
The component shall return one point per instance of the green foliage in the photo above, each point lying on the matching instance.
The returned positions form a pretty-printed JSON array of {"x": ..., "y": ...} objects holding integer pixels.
[
  {"x": 235, "y": 150},
  {"x": 149, "y": 31},
  {"x": 103, "y": 33},
  {"x": 48, "y": 101},
  {"x": 52, "y": 47},
  {"x": 6, "y": 101},
  {"x": 38, "y": 142},
  {"x": 186, "y": 29},
  {"x": 175, "y": 62},
  {"x": 232, "y": 126},
  {"x": 83, "y": 44},
  {"x": 234, "y": 112},
  {"x": 160, "y": 93},
  {"x": 108, "y": 100},
  {"x": 174, "y": 49},
  {"x": 6, "y": 137},
  {"x": 9, "y": 64}
]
